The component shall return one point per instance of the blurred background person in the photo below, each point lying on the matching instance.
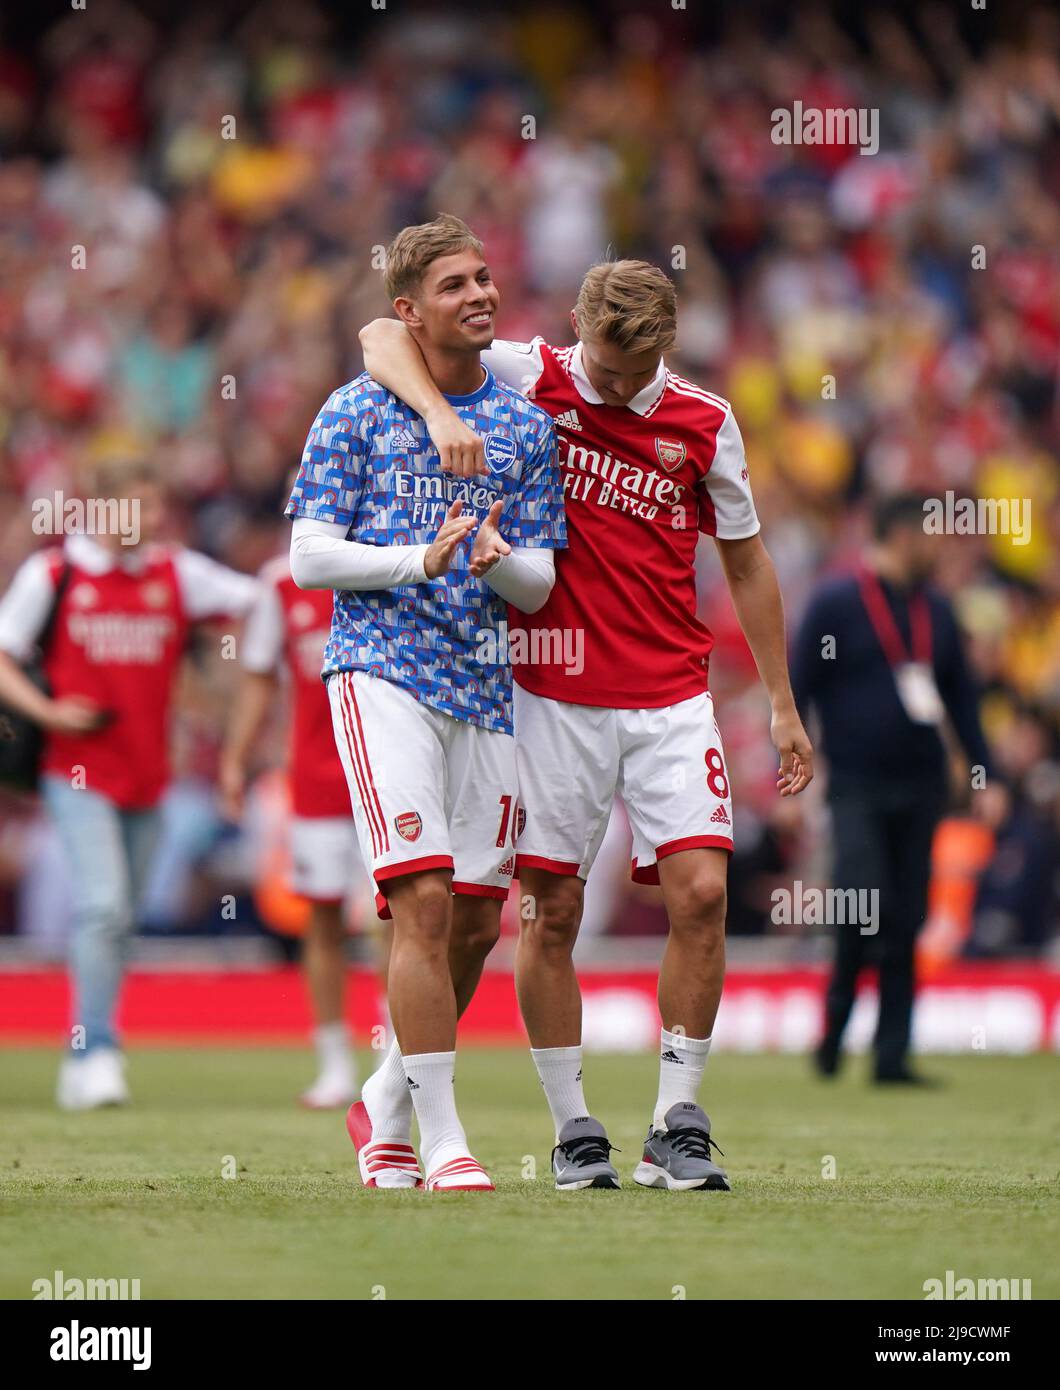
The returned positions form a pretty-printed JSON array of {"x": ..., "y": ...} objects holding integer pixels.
[
  {"x": 119, "y": 608},
  {"x": 878, "y": 657},
  {"x": 285, "y": 636}
]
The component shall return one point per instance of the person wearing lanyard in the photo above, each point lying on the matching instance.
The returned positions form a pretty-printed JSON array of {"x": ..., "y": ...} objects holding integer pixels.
[{"x": 879, "y": 656}]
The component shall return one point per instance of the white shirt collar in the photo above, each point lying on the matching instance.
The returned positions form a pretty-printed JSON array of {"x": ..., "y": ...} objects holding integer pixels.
[
  {"x": 87, "y": 554},
  {"x": 642, "y": 402}
]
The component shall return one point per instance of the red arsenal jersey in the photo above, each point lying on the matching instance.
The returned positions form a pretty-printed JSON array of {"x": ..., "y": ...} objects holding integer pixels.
[
  {"x": 117, "y": 642},
  {"x": 641, "y": 481},
  {"x": 290, "y": 626},
  {"x": 119, "y": 632}
]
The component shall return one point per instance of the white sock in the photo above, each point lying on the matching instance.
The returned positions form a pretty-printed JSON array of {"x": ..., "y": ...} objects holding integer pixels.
[
  {"x": 681, "y": 1064},
  {"x": 387, "y": 1098},
  {"x": 430, "y": 1079},
  {"x": 560, "y": 1070},
  {"x": 333, "y": 1048}
]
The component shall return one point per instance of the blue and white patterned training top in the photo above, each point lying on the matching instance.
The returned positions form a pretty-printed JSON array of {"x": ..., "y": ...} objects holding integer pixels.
[{"x": 369, "y": 464}]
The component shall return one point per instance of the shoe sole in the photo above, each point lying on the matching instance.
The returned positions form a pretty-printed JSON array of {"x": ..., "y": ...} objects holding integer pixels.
[
  {"x": 469, "y": 1187},
  {"x": 601, "y": 1182},
  {"x": 651, "y": 1175}
]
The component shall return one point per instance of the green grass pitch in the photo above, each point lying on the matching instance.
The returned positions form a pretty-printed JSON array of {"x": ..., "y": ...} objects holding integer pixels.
[{"x": 963, "y": 1178}]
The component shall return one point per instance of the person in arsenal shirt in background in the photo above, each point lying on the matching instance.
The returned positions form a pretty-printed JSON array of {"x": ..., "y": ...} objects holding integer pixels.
[
  {"x": 286, "y": 632},
  {"x": 112, "y": 660},
  {"x": 611, "y": 692}
]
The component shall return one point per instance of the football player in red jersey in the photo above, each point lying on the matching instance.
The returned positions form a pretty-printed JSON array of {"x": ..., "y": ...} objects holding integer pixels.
[
  {"x": 285, "y": 633},
  {"x": 611, "y": 693}
]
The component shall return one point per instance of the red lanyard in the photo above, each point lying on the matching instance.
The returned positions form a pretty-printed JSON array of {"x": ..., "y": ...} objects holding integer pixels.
[{"x": 879, "y": 611}]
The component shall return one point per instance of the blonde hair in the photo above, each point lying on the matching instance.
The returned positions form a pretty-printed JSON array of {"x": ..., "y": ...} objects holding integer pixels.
[
  {"x": 414, "y": 248},
  {"x": 117, "y": 475},
  {"x": 631, "y": 304}
]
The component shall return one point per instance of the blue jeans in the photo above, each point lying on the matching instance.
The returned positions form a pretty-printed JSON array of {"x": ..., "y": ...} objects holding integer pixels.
[{"x": 109, "y": 851}]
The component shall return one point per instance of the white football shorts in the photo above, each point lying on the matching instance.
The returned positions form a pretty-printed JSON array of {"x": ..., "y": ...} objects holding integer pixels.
[
  {"x": 667, "y": 765},
  {"x": 428, "y": 791},
  {"x": 325, "y": 857}
]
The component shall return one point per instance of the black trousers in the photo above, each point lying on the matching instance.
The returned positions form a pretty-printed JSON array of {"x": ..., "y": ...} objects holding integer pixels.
[{"x": 883, "y": 833}]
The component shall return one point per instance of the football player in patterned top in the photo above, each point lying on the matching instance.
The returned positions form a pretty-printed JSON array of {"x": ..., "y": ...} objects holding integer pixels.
[
  {"x": 423, "y": 563},
  {"x": 370, "y": 466}
]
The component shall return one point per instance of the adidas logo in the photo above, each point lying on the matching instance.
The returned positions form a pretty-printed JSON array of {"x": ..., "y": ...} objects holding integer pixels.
[
  {"x": 579, "y": 1076},
  {"x": 569, "y": 420},
  {"x": 671, "y": 1056},
  {"x": 413, "y": 1085},
  {"x": 402, "y": 441},
  {"x": 719, "y": 817}
]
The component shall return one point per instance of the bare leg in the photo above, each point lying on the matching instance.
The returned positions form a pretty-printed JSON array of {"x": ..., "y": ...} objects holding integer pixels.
[
  {"x": 693, "y": 966},
  {"x": 545, "y": 980},
  {"x": 324, "y": 963},
  {"x": 419, "y": 987},
  {"x": 476, "y": 928}
]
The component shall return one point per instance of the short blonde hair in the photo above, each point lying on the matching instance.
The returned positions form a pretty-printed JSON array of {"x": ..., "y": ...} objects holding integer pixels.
[
  {"x": 631, "y": 304},
  {"x": 118, "y": 475},
  {"x": 414, "y": 248}
]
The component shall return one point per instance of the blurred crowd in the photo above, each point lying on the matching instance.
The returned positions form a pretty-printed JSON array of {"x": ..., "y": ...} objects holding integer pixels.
[{"x": 878, "y": 322}]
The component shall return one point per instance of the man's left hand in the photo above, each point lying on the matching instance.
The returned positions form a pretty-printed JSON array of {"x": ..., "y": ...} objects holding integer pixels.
[
  {"x": 796, "y": 754},
  {"x": 489, "y": 545}
]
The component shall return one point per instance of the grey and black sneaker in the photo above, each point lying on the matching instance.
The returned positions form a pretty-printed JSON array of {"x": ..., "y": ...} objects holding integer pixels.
[
  {"x": 582, "y": 1156},
  {"x": 678, "y": 1157}
]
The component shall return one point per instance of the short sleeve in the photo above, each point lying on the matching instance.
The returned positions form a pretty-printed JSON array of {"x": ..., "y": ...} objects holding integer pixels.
[
  {"x": 535, "y": 516},
  {"x": 209, "y": 589},
  {"x": 726, "y": 508},
  {"x": 330, "y": 477},
  {"x": 517, "y": 364},
  {"x": 25, "y": 607},
  {"x": 263, "y": 633}
]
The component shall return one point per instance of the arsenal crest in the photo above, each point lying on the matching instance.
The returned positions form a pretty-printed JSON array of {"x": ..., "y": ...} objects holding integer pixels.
[
  {"x": 670, "y": 453},
  {"x": 408, "y": 825},
  {"x": 154, "y": 593}
]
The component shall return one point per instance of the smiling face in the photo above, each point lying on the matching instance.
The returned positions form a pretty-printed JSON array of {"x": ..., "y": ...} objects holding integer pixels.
[
  {"x": 455, "y": 304},
  {"x": 616, "y": 375}
]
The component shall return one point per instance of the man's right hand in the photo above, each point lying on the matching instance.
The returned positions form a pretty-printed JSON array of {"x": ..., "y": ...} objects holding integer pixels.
[
  {"x": 72, "y": 715},
  {"x": 460, "y": 449},
  {"x": 453, "y": 530}
]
